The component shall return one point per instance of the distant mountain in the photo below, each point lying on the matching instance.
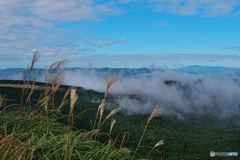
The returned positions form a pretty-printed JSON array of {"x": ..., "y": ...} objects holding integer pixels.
[
  {"x": 197, "y": 68},
  {"x": 126, "y": 72},
  {"x": 15, "y": 73},
  {"x": 18, "y": 73},
  {"x": 11, "y": 70}
]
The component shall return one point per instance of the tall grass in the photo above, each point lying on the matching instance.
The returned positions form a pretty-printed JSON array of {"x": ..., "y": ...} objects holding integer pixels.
[{"x": 34, "y": 132}]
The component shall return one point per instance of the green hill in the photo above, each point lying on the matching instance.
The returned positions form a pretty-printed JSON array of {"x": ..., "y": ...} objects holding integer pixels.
[{"x": 181, "y": 139}]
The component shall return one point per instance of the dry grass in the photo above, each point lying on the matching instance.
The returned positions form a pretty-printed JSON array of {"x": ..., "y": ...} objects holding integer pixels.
[
  {"x": 73, "y": 99},
  {"x": 156, "y": 145},
  {"x": 54, "y": 67},
  {"x": 64, "y": 101},
  {"x": 48, "y": 94},
  {"x": 113, "y": 121},
  {"x": 91, "y": 133},
  {"x": 43, "y": 101},
  {"x": 159, "y": 143},
  {"x": 156, "y": 112},
  {"x": 111, "y": 79},
  {"x": 35, "y": 87},
  {"x": 113, "y": 112},
  {"x": 31, "y": 92},
  {"x": 122, "y": 141},
  {"x": 34, "y": 60},
  {"x": 57, "y": 78},
  {"x": 100, "y": 109}
]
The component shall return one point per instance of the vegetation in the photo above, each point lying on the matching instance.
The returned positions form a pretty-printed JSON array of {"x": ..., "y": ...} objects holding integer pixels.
[
  {"x": 43, "y": 124},
  {"x": 34, "y": 131}
]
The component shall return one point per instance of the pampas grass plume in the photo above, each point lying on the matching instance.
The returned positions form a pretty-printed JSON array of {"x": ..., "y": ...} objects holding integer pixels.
[
  {"x": 156, "y": 112},
  {"x": 111, "y": 79}
]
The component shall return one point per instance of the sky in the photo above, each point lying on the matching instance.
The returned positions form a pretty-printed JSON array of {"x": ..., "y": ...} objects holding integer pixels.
[{"x": 120, "y": 33}]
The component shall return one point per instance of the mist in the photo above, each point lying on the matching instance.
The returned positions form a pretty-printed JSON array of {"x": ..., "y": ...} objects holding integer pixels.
[
  {"x": 192, "y": 95},
  {"x": 189, "y": 96}
]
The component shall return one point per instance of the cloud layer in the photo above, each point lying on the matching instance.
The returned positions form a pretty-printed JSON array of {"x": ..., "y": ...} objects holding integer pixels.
[
  {"x": 188, "y": 96},
  {"x": 29, "y": 25},
  {"x": 191, "y": 96},
  {"x": 137, "y": 57}
]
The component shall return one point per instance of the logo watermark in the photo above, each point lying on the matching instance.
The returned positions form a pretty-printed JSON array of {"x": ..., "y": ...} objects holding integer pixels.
[{"x": 212, "y": 153}]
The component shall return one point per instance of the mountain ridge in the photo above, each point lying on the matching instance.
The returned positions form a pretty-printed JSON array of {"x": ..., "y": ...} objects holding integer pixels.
[{"x": 9, "y": 73}]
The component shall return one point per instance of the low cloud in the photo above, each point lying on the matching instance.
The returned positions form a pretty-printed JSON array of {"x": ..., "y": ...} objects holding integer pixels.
[
  {"x": 189, "y": 96},
  {"x": 192, "y": 95}
]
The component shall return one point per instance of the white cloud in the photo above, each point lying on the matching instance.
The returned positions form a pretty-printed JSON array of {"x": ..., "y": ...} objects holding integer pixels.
[
  {"x": 123, "y": 1},
  {"x": 85, "y": 30},
  {"x": 171, "y": 57},
  {"x": 102, "y": 43},
  {"x": 211, "y": 96},
  {"x": 206, "y": 8},
  {"x": 234, "y": 47},
  {"x": 62, "y": 10},
  {"x": 87, "y": 39},
  {"x": 159, "y": 24},
  {"x": 27, "y": 25},
  {"x": 121, "y": 40},
  {"x": 104, "y": 39},
  {"x": 189, "y": 98}
]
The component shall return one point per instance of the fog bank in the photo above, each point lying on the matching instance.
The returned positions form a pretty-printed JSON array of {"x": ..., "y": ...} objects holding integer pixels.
[{"x": 190, "y": 95}]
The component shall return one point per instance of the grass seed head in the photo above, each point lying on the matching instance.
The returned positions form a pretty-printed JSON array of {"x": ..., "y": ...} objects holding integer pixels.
[
  {"x": 113, "y": 121},
  {"x": 25, "y": 76},
  {"x": 34, "y": 60},
  {"x": 61, "y": 64},
  {"x": 35, "y": 77},
  {"x": 64, "y": 101},
  {"x": 24, "y": 79},
  {"x": 57, "y": 77},
  {"x": 109, "y": 143},
  {"x": 111, "y": 79},
  {"x": 159, "y": 143},
  {"x": 101, "y": 108},
  {"x": 73, "y": 99},
  {"x": 44, "y": 101},
  {"x": 156, "y": 112},
  {"x": 31, "y": 92},
  {"x": 114, "y": 111}
]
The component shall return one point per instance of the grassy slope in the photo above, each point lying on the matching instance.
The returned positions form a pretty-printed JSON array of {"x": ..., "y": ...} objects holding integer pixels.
[{"x": 181, "y": 140}]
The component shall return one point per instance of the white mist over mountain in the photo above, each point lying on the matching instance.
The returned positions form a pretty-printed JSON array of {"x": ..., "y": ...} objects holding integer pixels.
[
  {"x": 190, "y": 95},
  {"x": 194, "y": 95}
]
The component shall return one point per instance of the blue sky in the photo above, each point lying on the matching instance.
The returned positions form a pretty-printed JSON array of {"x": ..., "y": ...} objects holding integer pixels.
[{"x": 120, "y": 33}]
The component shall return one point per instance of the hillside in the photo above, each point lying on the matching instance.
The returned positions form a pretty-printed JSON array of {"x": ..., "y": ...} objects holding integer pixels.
[{"x": 190, "y": 138}]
